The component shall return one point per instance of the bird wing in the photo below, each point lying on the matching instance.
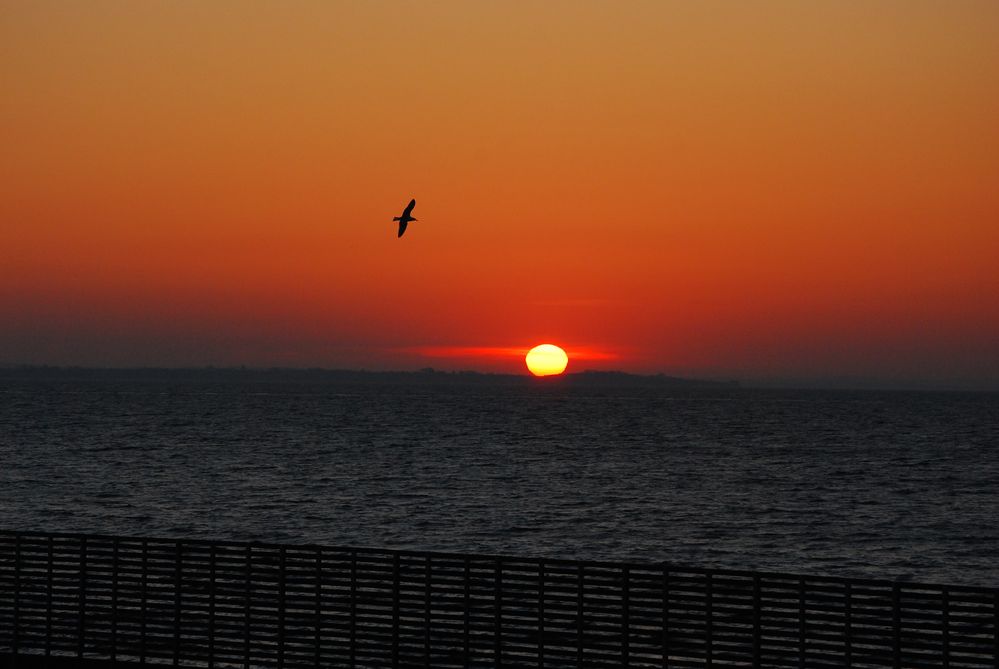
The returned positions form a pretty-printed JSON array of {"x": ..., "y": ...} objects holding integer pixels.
[
  {"x": 402, "y": 226},
  {"x": 409, "y": 207}
]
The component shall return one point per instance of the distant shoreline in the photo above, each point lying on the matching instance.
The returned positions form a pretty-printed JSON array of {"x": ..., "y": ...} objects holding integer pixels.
[
  {"x": 435, "y": 377},
  {"x": 427, "y": 376}
]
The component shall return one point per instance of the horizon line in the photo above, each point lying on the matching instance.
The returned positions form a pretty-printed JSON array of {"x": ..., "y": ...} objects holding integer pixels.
[{"x": 748, "y": 382}]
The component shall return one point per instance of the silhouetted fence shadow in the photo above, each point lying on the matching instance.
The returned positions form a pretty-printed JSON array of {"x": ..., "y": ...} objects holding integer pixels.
[{"x": 201, "y": 603}]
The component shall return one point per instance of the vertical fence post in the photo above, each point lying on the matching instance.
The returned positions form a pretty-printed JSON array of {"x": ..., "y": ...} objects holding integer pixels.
[
  {"x": 353, "y": 608},
  {"x": 848, "y": 625},
  {"x": 665, "y": 639},
  {"x": 896, "y": 619},
  {"x": 396, "y": 586},
  {"x": 49, "y": 587},
  {"x": 541, "y": 614},
  {"x": 143, "y": 606},
  {"x": 757, "y": 622},
  {"x": 247, "y": 603},
  {"x": 15, "y": 641},
  {"x": 801, "y": 622},
  {"x": 709, "y": 622},
  {"x": 995, "y": 628},
  {"x": 580, "y": 584},
  {"x": 178, "y": 556},
  {"x": 468, "y": 610},
  {"x": 82, "y": 626},
  {"x": 282, "y": 582},
  {"x": 946, "y": 626},
  {"x": 426, "y": 612},
  {"x": 114, "y": 600},
  {"x": 319, "y": 606},
  {"x": 498, "y": 598},
  {"x": 212, "y": 578},
  {"x": 625, "y": 615}
]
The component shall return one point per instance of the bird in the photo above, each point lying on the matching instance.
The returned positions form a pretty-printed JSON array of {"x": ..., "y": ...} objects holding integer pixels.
[{"x": 405, "y": 218}]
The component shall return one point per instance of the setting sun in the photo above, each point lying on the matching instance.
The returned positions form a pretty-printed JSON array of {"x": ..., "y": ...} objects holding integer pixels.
[{"x": 546, "y": 360}]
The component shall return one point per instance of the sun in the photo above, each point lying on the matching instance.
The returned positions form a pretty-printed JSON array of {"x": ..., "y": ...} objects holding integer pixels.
[{"x": 546, "y": 360}]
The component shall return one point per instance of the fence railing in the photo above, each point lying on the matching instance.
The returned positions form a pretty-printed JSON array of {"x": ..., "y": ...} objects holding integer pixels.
[{"x": 201, "y": 604}]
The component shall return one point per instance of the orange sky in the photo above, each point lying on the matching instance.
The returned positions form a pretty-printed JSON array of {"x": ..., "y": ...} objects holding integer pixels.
[{"x": 766, "y": 190}]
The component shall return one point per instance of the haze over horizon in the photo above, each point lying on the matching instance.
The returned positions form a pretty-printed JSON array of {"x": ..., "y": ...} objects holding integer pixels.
[
  {"x": 774, "y": 191},
  {"x": 598, "y": 377}
]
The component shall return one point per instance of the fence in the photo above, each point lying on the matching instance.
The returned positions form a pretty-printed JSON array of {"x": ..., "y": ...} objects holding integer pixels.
[{"x": 200, "y": 603}]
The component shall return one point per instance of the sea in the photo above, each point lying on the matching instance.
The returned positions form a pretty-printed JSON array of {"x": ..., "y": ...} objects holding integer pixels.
[{"x": 895, "y": 485}]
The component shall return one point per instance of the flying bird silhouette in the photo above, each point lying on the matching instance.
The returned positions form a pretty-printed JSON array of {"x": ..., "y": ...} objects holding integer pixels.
[{"x": 405, "y": 218}]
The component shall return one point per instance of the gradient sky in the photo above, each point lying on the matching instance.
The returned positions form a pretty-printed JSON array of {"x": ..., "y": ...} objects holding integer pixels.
[{"x": 765, "y": 190}]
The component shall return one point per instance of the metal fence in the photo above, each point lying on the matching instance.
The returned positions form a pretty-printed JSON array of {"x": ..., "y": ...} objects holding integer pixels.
[{"x": 216, "y": 603}]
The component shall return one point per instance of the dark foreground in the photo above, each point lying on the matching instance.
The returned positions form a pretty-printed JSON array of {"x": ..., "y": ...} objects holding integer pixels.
[
  {"x": 60, "y": 662},
  {"x": 106, "y": 600}
]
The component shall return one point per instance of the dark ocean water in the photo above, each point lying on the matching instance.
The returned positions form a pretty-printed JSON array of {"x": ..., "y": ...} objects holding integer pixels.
[{"x": 842, "y": 483}]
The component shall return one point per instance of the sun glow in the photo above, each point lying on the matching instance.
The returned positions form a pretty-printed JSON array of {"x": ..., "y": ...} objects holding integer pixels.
[{"x": 546, "y": 360}]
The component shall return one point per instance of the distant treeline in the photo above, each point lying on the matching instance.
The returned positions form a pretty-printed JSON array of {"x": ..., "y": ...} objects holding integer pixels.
[{"x": 427, "y": 376}]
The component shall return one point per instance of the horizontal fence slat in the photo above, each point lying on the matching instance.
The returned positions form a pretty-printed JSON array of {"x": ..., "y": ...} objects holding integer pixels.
[{"x": 201, "y": 604}]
